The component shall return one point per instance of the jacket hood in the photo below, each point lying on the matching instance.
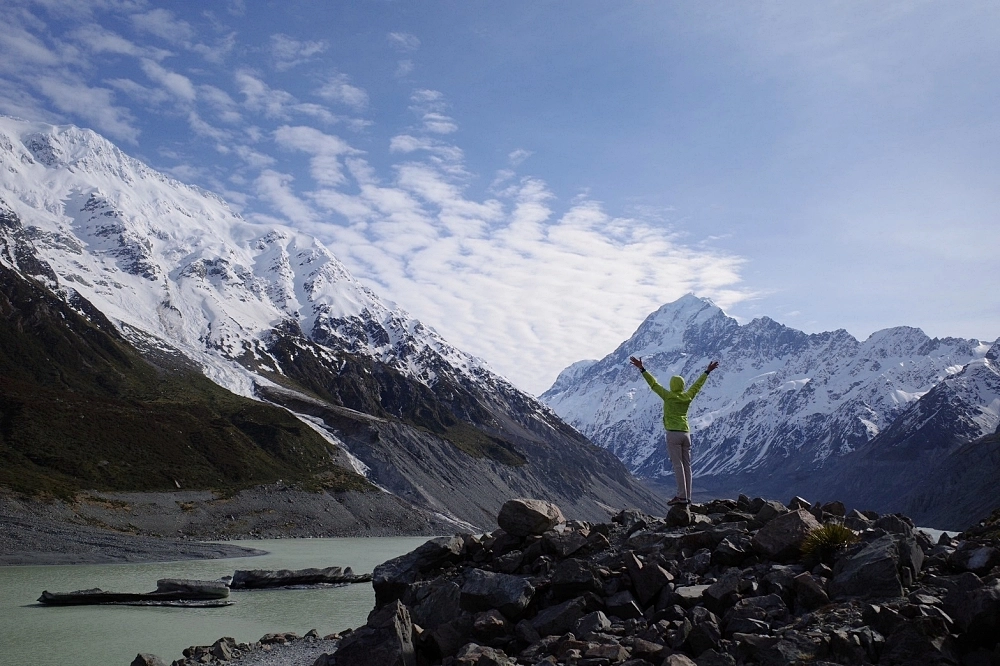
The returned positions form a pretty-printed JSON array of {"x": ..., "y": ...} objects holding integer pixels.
[{"x": 676, "y": 384}]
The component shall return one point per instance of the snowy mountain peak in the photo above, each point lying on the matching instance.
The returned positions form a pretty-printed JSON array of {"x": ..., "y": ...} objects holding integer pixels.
[
  {"x": 178, "y": 265},
  {"x": 780, "y": 396}
]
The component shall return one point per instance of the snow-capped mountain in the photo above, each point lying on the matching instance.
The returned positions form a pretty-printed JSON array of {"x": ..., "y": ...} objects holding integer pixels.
[
  {"x": 269, "y": 312},
  {"x": 169, "y": 260},
  {"x": 782, "y": 402}
]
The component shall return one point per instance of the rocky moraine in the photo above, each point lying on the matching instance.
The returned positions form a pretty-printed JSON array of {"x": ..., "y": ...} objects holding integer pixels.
[{"x": 729, "y": 582}]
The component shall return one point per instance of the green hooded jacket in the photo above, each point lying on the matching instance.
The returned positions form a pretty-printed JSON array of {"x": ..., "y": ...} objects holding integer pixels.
[{"x": 676, "y": 401}]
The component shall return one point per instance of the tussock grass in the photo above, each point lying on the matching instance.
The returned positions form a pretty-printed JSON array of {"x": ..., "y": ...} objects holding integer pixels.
[{"x": 823, "y": 543}]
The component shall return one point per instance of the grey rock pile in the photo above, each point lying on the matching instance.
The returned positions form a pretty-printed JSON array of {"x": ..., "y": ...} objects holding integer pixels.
[{"x": 722, "y": 583}]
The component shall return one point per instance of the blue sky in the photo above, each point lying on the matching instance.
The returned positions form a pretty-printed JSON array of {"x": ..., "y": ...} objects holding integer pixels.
[{"x": 533, "y": 178}]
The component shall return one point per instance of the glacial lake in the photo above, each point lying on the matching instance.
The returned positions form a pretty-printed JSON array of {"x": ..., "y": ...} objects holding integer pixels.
[{"x": 36, "y": 635}]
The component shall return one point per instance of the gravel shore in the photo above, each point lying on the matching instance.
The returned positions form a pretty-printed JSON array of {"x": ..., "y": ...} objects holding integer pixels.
[
  {"x": 38, "y": 541},
  {"x": 99, "y": 528}
]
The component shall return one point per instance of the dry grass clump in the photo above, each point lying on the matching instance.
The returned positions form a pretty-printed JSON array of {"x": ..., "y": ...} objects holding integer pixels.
[{"x": 824, "y": 543}]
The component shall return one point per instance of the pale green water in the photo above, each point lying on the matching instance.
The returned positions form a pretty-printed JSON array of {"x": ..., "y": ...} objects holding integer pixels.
[{"x": 36, "y": 635}]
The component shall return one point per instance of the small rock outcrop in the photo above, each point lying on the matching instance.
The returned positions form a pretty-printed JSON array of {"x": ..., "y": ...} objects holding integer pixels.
[
  {"x": 722, "y": 585},
  {"x": 169, "y": 592},
  {"x": 261, "y": 578}
]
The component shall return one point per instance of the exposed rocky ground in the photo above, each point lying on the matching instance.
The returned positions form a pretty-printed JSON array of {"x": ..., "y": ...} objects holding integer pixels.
[
  {"x": 158, "y": 527},
  {"x": 723, "y": 583}
]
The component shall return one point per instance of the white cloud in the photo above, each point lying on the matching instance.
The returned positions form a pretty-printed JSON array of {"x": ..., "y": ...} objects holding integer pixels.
[
  {"x": 518, "y": 156},
  {"x": 20, "y": 48},
  {"x": 218, "y": 52},
  {"x": 404, "y": 68},
  {"x": 220, "y": 101},
  {"x": 140, "y": 93},
  {"x": 275, "y": 188},
  {"x": 99, "y": 39},
  {"x": 338, "y": 89},
  {"x": 506, "y": 279},
  {"x": 326, "y": 151},
  {"x": 93, "y": 104},
  {"x": 176, "y": 84},
  {"x": 430, "y": 106},
  {"x": 161, "y": 22},
  {"x": 261, "y": 97},
  {"x": 404, "y": 41},
  {"x": 288, "y": 52}
]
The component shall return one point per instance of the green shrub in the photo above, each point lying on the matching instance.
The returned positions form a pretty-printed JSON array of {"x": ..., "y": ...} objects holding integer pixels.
[{"x": 823, "y": 543}]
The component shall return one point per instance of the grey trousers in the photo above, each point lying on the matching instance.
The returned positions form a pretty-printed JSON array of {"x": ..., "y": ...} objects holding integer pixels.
[{"x": 679, "y": 450}]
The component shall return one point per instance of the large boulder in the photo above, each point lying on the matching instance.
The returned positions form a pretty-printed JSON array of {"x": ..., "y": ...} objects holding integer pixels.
[
  {"x": 387, "y": 640},
  {"x": 485, "y": 590},
  {"x": 872, "y": 571},
  {"x": 523, "y": 517},
  {"x": 559, "y": 619},
  {"x": 781, "y": 538},
  {"x": 391, "y": 579},
  {"x": 434, "y": 603}
]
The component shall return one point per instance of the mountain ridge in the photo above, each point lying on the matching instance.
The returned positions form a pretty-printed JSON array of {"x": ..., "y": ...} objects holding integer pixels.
[
  {"x": 269, "y": 313},
  {"x": 783, "y": 405}
]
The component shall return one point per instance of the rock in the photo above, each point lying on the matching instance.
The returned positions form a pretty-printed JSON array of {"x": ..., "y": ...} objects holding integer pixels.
[
  {"x": 522, "y": 517},
  {"x": 612, "y": 652},
  {"x": 391, "y": 579},
  {"x": 689, "y": 595},
  {"x": 731, "y": 551},
  {"x": 557, "y": 620},
  {"x": 386, "y": 640},
  {"x": 144, "y": 659},
  {"x": 781, "y": 538},
  {"x": 894, "y": 525},
  {"x": 592, "y": 623},
  {"x": 870, "y": 572},
  {"x": 484, "y": 590},
  {"x": 623, "y": 605},
  {"x": 922, "y": 640},
  {"x": 798, "y": 503},
  {"x": 168, "y": 591},
  {"x": 490, "y": 625},
  {"x": 769, "y": 511},
  {"x": 679, "y": 516},
  {"x": 977, "y": 613},
  {"x": 975, "y": 558},
  {"x": 447, "y": 638},
  {"x": 223, "y": 648},
  {"x": 835, "y": 508},
  {"x": 678, "y": 660},
  {"x": 480, "y": 655},
  {"x": 573, "y": 577},
  {"x": 260, "y": 578},
  {"x": 563, "y": 545},
  {"x": 809, "y": 592},
  {"x": 723, "y": 593},
  {"x": 435, "y": 603}
]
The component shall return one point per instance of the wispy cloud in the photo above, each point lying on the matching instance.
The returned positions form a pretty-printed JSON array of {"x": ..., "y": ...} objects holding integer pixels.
[
  {"x": 506, "y": 278},
  {"x": 176, "y": 84},
  {"x": 404, "y": 41},
  {"x": 326, "y": 151},
  {"x": 430, "y": 105},
  {"x": 163, "y": 24},
  {"x": 260, "y": 97},
  {"x": 288, "y": 52},
  {"x": 339, "y": 89},
  {"x": 93, "y": 104}
]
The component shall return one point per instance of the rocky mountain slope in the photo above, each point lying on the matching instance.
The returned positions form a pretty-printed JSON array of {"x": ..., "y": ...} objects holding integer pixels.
[
  {"x": 783, "y": 404},
  {"x": 270, "y": 314}
]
